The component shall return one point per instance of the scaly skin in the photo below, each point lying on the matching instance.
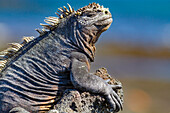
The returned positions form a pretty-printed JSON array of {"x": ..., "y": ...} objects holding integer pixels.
[{"x": 38, "y": 73}]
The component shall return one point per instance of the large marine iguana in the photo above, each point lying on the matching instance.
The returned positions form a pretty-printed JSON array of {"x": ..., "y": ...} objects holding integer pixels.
[{"x": 36, "y": 72}]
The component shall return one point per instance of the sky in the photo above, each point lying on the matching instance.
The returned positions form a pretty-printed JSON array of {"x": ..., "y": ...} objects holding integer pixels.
[{"x": 135, "y": 21}]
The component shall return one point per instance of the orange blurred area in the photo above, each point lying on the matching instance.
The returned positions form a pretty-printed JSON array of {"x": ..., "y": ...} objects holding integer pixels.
[
  {"x": 134, "y": 50},
  {"x": 138, "y": 101},
  {"x": 146, "y": 96}
]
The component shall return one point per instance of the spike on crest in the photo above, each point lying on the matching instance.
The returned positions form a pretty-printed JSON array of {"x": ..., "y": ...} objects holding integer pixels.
[
  {"x": 15, "y": 45},
  {"x": 12, "y": 50},
  {"x": 27, "y": 39},
  {"x": 61, "y": 9},
  {"x": 45, "y": 26},
  {"x": 64, "y": 12},
  {"x": 49, "y": 22},
  {"x": 2, "y": 63},
  {"x": 4, "y": 52},
  {"x": 60, "y": 12},
  {"x": 54, "y": 21},
  {"x": 66, "y": 9},
  {"x": 98, "y": 5},
  {"x": 61, "y": 16},
  {"x": 70, "y": 8},
  {"x": 78, "y": 13},
  {"x": 40, "y": 31},
  {"x": 57, "y": 14}
]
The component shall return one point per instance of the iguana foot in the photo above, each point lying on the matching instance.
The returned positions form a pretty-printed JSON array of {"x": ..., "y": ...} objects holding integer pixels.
[
  {"x": 113, "y": 90},
  {"x": 113, "y": 98},
  {"x": 18, "y": 110}
]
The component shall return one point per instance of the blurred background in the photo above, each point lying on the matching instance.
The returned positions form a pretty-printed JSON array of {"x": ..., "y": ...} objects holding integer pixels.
[{"x": 135, "y": 49}]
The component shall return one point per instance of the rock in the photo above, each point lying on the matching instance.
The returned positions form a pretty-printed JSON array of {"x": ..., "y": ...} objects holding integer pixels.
[{"x": 74, "y": 101}]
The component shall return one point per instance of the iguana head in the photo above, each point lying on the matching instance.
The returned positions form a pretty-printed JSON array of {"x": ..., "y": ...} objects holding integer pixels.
[
  {"x": 93, "y": 20},
  {"x": 82, "y": 27}
]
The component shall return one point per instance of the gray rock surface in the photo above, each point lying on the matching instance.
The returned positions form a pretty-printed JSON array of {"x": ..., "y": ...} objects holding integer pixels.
[{"x": 74, "y": 101}]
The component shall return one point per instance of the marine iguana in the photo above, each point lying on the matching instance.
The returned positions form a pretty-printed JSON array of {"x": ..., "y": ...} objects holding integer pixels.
[{"x": 35, "y": 72}]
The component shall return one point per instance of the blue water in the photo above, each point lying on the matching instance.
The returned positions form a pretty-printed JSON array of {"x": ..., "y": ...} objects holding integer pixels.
[{"x": 135, "y": 21}]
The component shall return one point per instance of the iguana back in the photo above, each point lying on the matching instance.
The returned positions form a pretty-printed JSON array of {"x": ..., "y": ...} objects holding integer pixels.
[{"x": 34, "y": 76}]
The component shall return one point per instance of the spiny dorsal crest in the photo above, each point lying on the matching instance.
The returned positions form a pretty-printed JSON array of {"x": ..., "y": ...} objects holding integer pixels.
[
  {"x": 13, "y": 48},
  {"x": 64, "y": 12},
  {"x": 52, "y": 22}
]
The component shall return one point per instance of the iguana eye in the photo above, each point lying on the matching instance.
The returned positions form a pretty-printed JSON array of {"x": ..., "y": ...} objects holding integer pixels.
[{"x": 106, "y": 12}]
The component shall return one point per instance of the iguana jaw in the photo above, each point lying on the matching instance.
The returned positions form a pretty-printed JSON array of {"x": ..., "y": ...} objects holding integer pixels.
[
  {"x": 103, "y": 28},
  {"x": 106, "y": 26}
]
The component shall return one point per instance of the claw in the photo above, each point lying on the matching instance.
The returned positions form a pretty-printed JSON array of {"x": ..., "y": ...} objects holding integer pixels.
[
  {"x": 118, "y": 98},
  {"x": 118, "y": 107},
  {"x": 112, "y": 103}
]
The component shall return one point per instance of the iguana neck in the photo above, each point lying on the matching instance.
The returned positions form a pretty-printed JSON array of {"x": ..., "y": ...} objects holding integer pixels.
[
  {"x": 83, "y": 40},
  {"x": 79, "y": 38}
]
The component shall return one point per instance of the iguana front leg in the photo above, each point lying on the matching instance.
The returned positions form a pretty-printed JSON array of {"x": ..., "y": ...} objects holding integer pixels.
[{"x": 85, "y": 81}]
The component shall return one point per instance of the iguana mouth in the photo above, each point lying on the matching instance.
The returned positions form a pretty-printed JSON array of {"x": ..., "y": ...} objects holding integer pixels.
[
  {"x": 109, "y": 22},
  {"x": 102, "y": 26}
]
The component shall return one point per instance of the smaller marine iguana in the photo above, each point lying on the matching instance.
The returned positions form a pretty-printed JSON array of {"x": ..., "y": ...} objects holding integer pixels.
[{"x": 36, "y": 72}]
